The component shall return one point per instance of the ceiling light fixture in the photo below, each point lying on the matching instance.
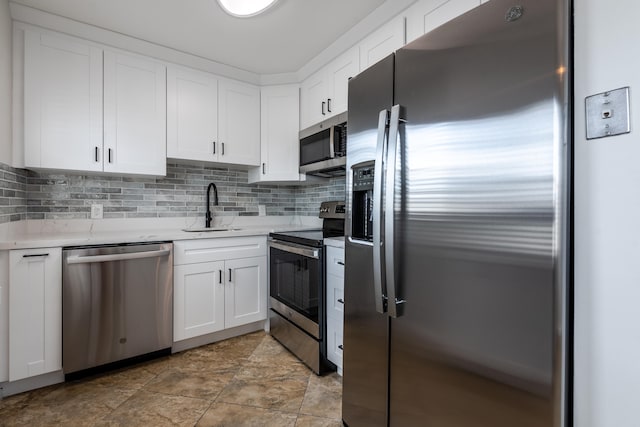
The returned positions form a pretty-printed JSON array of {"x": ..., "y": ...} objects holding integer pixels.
[{"x": 245, "y": 8}]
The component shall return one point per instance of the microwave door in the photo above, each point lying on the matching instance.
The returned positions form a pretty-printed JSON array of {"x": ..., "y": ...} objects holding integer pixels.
[{"x": 316, "y": 147}]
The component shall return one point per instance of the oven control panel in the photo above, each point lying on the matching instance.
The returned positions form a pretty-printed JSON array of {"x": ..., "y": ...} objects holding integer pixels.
[{"x": 333, "y": 209}]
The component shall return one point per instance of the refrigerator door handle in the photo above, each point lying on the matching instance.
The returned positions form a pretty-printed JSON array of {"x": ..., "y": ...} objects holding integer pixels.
[
  {"x": 394, "y": 303},
  {"x": 381, "y": 306}
]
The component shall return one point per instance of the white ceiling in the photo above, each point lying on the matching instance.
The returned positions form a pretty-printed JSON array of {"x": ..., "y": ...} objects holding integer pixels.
[{"x": 282, "y": 40}]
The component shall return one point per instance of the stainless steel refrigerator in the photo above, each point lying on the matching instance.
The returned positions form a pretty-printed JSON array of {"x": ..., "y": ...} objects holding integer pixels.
[{"x": 458, "y": 176}]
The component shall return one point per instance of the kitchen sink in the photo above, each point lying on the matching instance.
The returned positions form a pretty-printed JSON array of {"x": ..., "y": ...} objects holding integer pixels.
[{"x": 205, "y": 229}]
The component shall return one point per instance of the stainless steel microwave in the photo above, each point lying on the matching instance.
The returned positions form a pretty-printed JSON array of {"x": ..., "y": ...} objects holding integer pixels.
[{"x": 323, "y": 147}]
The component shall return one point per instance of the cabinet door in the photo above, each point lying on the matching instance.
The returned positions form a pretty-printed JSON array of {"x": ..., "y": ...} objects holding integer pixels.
[
  {"x": 382, "y": 42},
  {"x": 246, "y": 291},
  {"x": 63, "y": 103},
  {"x": 239, "y": 123},
  {"x": 35, "y": 314},
  {"x": 426, "y": 15},
  {"x": 339, "y": 72},
  {"x": 192, "y": 115},
  {"x": 134, "y": 115},
  {"x": 313, "y": 100},
  {"x": 279, "y": 151},
  {"x": 198, "y": 299}
]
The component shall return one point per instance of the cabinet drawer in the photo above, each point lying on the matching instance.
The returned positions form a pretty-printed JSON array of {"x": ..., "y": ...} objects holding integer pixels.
[
  {"x": 335, "y": 296},
  {"x": 334, "y": 342},
  {"x": 218, "y": 249},
  {"x": 335, "y": 261}
]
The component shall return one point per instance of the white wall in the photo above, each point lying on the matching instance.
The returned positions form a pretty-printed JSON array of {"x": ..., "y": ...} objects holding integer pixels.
[
  {"x": 5, "y": 82},
  {"x": 607, "y": 222}
]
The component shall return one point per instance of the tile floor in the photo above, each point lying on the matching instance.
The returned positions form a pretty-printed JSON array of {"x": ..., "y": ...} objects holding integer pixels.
[{"x": 245, "y": 381}]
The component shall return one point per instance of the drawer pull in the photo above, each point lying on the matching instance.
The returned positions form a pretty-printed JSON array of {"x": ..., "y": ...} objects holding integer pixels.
[
  {"x": 340, "y": 300},
  {"x": 340, "y": 347},
  {"x": 340, "y": 263},
  {"x": 34, "y": 255}
]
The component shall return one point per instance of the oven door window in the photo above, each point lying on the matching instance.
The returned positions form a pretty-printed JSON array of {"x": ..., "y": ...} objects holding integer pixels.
[{"x": 295, "y": 281}]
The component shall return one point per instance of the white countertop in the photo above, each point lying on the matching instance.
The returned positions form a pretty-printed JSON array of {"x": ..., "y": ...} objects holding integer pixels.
[
  {"x": 53, "y": 233},
  {"x": 336, "y": 242}
]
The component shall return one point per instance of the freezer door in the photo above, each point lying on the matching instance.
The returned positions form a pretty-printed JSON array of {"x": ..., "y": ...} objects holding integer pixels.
[
  {"x": 479, "y": 221},
  {"x": 366, "y": 346}
]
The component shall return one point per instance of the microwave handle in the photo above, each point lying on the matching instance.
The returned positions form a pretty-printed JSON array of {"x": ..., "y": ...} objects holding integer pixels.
[{"x": 332, "y": 142}]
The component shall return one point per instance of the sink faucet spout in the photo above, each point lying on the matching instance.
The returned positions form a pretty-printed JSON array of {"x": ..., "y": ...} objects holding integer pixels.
[{"x": 208, "y": 216}]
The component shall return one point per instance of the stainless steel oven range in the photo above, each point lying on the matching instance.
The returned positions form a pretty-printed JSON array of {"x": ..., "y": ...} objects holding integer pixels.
[{"x": 297, "y": 288}]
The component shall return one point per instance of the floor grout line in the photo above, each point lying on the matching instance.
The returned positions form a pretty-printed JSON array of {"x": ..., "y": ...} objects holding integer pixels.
[{"x": 259, "y": 355}]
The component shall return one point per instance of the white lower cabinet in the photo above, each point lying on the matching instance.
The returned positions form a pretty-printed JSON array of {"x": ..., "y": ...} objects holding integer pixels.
[
  {"x": 246, "y": 294},
  {"x": 198, "y": 298},
  {"x": 35, "y": 312},
  {"x": 335, "y": 304},
  {"x": 218, "y": 284}
]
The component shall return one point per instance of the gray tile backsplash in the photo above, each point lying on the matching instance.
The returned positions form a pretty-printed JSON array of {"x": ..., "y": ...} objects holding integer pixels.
[
  {"x": 35, "y": 195},
  {"x": 13, "y": 194}
]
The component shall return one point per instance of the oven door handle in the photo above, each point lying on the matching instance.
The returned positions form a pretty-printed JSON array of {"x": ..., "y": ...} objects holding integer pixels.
[{"x": 298, "y": 250}]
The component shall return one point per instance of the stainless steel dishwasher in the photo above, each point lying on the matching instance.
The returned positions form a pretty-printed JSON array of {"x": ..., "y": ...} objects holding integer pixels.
[{"x": 117, "y": 303}]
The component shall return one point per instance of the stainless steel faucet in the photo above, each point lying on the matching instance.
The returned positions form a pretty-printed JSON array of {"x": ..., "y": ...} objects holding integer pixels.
[{"x": 208, "y": 216}]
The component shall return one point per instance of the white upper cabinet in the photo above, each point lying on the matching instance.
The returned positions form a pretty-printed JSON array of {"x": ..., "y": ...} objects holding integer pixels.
[
  {"x": 313, "y": 100},
  {"x": 87, "y": 109},
  {"x": 382, "y": 42},
  {"x": 280, "y": 146},
  {"x": 63, "y": 103},
  {"x": 212, "y": 119},
  {"x": 339, "y": 71},
  {"x": 239, "y": 123},
  {"x": 134, "y": 115},
  {"x": 426, "y": 15},
  {"x": 324, "y": 93},
  {"x": 192, "y": 114}
]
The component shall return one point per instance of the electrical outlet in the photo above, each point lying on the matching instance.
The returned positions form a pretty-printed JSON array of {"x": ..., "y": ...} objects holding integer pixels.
[
  {"x": 262, "y": 210},
  {"x": 96, "y": 211}
]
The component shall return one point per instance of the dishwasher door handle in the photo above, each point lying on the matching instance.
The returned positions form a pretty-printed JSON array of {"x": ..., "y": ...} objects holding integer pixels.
[{"x": 77, "y": 259}]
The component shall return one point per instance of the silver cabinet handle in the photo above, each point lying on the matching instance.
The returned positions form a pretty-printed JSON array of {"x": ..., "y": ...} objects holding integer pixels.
[
  {"x": 110, "y": 157},
  {"x": 223, "y": 148},
  {"x": 329, "y": 105},
  {"x": 35, "y": 255},
  {"x": 389, "y": 228},
  {"x": 77, "y": 259},
  {"x": 323, "y": 104},
  {"x": 214, "y": 147},
  {"x": 220, "y": 276},
  {"x": 377, "y": 213},
  {"x": 295, "y": 249},
  {"x": 229, "y": 275},
  {"x": 96, "y": 154},
  {"x": 263, "y": 168}
]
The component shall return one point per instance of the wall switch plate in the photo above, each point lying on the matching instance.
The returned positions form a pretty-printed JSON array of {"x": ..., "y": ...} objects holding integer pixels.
[
  {"x": 262, "y": 210},
  {"x": 96, "y": 211},
  {"x": 608, "y": 113}
]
